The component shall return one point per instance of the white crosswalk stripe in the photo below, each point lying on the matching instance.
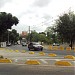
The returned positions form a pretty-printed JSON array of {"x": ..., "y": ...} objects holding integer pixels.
[
  {"x": 73, "y": 62},
  {"x": 44, "y": 61},
  {"x": 49, "y": 61}
]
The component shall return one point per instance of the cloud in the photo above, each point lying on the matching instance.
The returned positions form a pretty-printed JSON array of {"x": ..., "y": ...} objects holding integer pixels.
[
  {"x": 3, "y": 2},
  {"x": 47, "y": 17},
  {"x": 41, "y": 3},
  {"x": 40, "y": 13}
]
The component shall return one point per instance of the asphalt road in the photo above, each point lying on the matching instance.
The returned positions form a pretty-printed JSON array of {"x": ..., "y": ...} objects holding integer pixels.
[
  {"x": 20, "y": 47},
  {"x": 21, "y": 58},
  {"x": 47, "y": 66},
  {"x": 12, "y": 69}
]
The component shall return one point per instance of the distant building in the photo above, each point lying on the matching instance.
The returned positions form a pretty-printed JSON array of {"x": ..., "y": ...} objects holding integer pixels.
[{"x": 24, "y": 34}]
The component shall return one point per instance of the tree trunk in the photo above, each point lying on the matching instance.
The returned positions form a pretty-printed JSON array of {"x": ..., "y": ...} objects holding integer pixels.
[
  {"x": 71, "y": 43},
  {"x": 62, "y": 40}
]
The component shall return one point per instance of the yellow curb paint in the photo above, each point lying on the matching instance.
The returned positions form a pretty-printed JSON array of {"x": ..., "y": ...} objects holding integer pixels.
[
  {"x": 16, "y": 50},
  {"x": 32, "y": 62},
  {"x": 68, "y": 48},
  {"x": 55, "y": 48},
  {"x": 5, "y": 61},
  {"x": 31, "y": 52},
  {"x": 61, "y": 48},
  {"x": 69, "y": 57},
  {"x": 42, "y": 53},
  {"x": 50, "y": 47},
  {"x": 63, "y": 63},
  {"x": 52, "y": 55},
  {"x": 23, "y": 51}
]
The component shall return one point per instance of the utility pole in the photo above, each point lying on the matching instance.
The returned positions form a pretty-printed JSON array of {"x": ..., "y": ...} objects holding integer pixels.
[
  {"x": 29, "y": 33},
  {"x": 29, "y": 29}
]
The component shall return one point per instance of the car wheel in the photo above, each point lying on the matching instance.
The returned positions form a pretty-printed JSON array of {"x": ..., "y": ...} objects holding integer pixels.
[
  {"x": 34, "y": 49},
  {"x": 41, "y": 49}
]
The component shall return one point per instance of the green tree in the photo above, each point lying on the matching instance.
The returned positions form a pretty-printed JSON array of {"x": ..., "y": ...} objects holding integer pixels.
[
  {"x": 50, "y": 29},
  {"x": 50, "y": 34},
  {"x": 65, "y": 26},
  {"x": 14, "y": 36},
  {"x": 33, "y": 36},
  {"x": 42, "y": 38},
  {"x": 6, "y": 22}
]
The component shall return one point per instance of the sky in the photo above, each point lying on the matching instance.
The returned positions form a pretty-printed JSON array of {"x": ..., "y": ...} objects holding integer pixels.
[{"x": 38, "y": 14}]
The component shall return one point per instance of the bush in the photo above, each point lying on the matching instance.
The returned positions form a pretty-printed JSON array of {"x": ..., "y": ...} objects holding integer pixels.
[{"x": 1, "y": 56}]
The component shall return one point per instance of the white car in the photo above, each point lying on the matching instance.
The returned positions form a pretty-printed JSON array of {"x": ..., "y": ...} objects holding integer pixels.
[{"x": 56, "y": 44}]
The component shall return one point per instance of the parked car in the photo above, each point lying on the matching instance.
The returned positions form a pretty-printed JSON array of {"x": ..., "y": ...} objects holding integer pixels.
[
  {"x": 35, "y": 46},
  {"x": 8, "y": 44},
  {"x": 56, "y": 44},
  {"x": 15, "y": 43},
  {"x": 24, "y": 44}
]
